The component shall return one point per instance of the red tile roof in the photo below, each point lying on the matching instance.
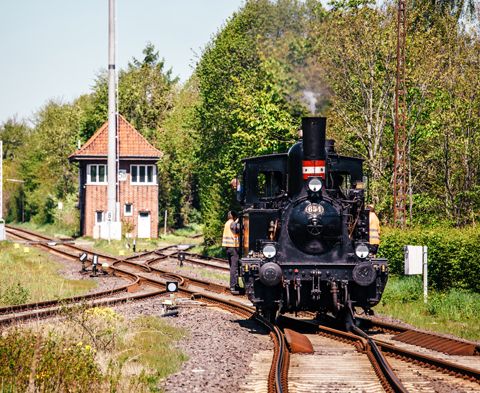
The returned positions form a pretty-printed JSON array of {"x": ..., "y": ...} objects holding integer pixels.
[{"x": 131, "y": 142}]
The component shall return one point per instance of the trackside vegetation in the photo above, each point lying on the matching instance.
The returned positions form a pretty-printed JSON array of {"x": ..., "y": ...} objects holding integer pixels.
[
  {"x": 30, "y": 275},
  {"x": 454, "y": 311},
  {"x": 453, "y": 254},
  {"x": 90, "y": 350}
]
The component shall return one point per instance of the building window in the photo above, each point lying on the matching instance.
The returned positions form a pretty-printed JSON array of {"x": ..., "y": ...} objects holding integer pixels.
[
  {"x": 97, "y": 173},
  {"x": 143, "y": 174},
  {"x": 98, "y": 217},
  {"x": 128, "y": 211}
]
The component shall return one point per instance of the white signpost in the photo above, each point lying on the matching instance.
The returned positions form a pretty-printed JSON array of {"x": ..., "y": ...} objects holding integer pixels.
[{"x": 416, "y": 262}]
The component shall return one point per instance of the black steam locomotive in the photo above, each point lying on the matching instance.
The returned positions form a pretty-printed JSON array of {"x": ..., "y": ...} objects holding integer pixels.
[{"x": 304, "y": 230}]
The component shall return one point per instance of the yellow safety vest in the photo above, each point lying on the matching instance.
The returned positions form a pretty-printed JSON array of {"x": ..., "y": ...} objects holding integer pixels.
[
  {"x": 229, "y": 239},
  {"x": 374, "y": 235}
]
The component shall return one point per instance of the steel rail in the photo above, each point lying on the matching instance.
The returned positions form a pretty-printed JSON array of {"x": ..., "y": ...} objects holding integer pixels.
[
  {"x": 390, "y": 350},
  {"x": 50, "y": 239},
  {"x": 202, "y": 261},
  {"x": 429, "y": 340},
  {"x": 428, "y": 361},
  {"x": 380, "y": 364},
  {"x": 363, "y": 344},
  {"x": 279, "y": 370}
]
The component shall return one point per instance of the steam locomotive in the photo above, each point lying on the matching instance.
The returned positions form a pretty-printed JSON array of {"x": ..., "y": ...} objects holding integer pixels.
[{"x": 304, "y": 230}]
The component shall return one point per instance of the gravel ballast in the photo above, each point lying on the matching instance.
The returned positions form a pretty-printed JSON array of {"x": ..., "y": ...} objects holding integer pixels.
[{"x": 219, "y": 346}]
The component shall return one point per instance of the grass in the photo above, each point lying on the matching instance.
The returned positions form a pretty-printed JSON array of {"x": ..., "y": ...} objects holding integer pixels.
[
  {"x": 150, "y": 343},
  {"x": 455, "y": 312},
  {"x": 53, "y": 230},
  {"x": 90, "y": 350},
  {"x": 179, "y": 236},
  {"x": 206, "y": 273},
  {"x": 117, "y": 247},
  {"x": 33, "y": 276}
]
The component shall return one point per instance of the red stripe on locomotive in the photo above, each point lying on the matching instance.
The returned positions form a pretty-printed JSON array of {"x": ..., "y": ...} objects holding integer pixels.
[{"x": 313, "y": 168}]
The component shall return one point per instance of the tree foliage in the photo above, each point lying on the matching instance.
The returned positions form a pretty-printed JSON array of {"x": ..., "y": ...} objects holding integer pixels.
[
  {"x": 243, "y": 110},
  {"x": 271, "y": 63},
  {"x": 145, "y": 95}
]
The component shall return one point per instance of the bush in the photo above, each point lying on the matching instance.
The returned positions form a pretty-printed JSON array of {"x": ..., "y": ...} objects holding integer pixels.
[
  {"x": 68, "y": 218},
  {"x": 99, "y": 326},
  {"x": 15, "y": 294},
  {"x": 453, "y": 254},
  {"x": 32, "y": 362}
]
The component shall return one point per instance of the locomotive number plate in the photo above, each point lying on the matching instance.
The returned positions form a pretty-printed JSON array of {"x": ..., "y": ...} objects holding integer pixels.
[{"x": 314, "y": 208}]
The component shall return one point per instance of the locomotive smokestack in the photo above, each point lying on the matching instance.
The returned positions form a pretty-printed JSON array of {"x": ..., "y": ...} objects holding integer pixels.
[{"x": 314, "y": 131}]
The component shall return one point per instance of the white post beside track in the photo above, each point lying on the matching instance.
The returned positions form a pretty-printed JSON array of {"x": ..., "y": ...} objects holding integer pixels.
[{"x": 425, "y": 273}]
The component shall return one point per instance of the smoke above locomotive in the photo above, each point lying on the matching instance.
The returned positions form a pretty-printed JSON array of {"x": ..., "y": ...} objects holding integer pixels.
[{"x": 304, "y": 230}]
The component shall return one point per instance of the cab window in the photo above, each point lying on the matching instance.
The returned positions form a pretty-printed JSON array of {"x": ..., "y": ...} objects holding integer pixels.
[{"x": 269, "y": 184}]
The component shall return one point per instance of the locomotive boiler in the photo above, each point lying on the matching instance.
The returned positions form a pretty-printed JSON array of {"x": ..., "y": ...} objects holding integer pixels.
[{"x": 304, "y": 230}]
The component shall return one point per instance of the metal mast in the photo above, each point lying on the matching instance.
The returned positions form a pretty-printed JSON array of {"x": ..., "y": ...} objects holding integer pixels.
[
  {"x": 112, "y": 117},
  {"x": 400, "y": 159}
]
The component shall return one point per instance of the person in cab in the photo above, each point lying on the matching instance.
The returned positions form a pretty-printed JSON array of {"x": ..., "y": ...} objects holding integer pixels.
[{"x": 374, "y": 233}]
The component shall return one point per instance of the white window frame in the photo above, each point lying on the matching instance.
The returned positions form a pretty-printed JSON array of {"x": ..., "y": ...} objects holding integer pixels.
[
  {"x": 145, "y": 183},
  {"x": 89, "y": 179},
  {"x": 125, "y": 210},
  {"x": 103, "y": 216}
]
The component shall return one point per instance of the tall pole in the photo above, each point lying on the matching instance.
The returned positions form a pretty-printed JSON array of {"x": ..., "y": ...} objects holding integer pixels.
[
  {"x": 400, "y": 131},
  {"x": 112, "y": 118}
]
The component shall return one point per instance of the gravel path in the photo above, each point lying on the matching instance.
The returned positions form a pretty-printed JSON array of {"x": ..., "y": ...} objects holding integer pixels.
[{"x": 220, "y": 346}]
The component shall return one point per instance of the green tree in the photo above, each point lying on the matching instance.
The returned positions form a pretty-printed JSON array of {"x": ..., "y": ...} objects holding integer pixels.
[
  {"x": 145, "y": 95},
  {"x": 44, "y": 165},
  {"x": 178, "y": 140},
  {"x": 357, "y": 48},
  {"x": 13, "y": 134},
  {"x": 243, "y": 110}
]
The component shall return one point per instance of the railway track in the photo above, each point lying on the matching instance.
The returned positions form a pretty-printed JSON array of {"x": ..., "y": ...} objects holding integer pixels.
[
  {"x": 140, "y": 271},
  {"x": 143, "y": 272},
  {"x": 435, "y": 342},
  {"x": 410, "y": 370}
]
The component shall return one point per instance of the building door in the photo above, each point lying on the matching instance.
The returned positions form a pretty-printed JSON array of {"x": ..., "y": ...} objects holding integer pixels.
[{"x": 143, "y": 227}]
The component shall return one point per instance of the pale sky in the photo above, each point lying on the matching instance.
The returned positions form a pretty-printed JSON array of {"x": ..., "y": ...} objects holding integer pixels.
[{"x": 53, "y": 49}]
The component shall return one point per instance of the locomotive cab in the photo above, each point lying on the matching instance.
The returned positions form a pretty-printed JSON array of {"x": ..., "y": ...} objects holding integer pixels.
[{"x": 304, "y": 238}]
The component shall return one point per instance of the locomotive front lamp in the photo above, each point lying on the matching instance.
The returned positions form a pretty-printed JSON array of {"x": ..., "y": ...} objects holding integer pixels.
[
  {"x": 269, "y": 251},
  {"x": 361, "y": 250},
  {"x": 314, "y": 184}
]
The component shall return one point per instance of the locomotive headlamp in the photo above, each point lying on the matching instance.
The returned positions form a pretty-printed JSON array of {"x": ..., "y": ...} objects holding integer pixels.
[
  {"x": 269, "y": 251},
  {"x": 314, "y": 184},
  {"x": 361, "y": 250}
]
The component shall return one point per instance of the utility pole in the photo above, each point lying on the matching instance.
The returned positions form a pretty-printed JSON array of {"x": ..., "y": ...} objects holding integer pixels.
[
  {"x": 400, "y": 149},
  {"x": 112, "y": 228}
]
